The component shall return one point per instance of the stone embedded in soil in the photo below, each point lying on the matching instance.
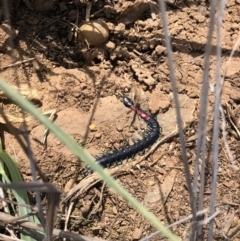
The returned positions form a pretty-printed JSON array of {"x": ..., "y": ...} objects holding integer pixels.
[
  {"x": 110, "y": 45},
  {"x": 159, "y": 49},
  {"x": 69, "y": 185},
  {"x": 119, "y": 128},
  {"x": 115, "y": 210},
  {"x": 98, "y": 135},
  {"x": 92, "y": 127},
  {"x": 137, "y": 234}
]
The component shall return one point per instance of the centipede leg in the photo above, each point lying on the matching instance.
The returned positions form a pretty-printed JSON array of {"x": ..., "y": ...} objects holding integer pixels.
[
  {"x": 119, "y": 162},
  {"x": 144, "y": 133},
  {"x": 135, "y": 140}
]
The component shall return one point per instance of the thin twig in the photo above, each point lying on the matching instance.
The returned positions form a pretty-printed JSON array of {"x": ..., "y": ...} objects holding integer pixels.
[
  {"x": 215, "y": 143},
  {"x": 46, "y": 132},
  {"x": 199, "y": 213},
  {"x": 17, "y": 63},
  {"x": 229, "y": 60},
  {"x": 56, "y": 232},
  {"x": 34, "y": 177},
  {"x": 68, "y": 215},
  {"x": 162, "y": 6},
  {"x": 202, "y": 126},
  {"x": 209, "y": 219},
  {"x": 88, "y": 10},
  {"x": 230, "y": 156}
]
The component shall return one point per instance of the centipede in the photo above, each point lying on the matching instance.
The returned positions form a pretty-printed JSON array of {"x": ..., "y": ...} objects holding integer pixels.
[{"x": 129, "y": 151}]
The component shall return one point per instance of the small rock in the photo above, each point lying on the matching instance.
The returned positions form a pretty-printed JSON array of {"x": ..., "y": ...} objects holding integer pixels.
[
  {"x": 83, "y": 86},
  {"x": 199, "y": 17},
  {"x": 110, "y": 45},
  {"x": 76, "y": 91},
  {"x": 69, "y": 185},
  {"x": 120, "y": 27},
  {"x": 115, "y": 210},
  {"x": 119, "y": 128},
  {"x": 151, "y": 183},
  {"x": 159, "y": 49},
  {"x": 202, "y": 10},
  {"x": 137, "y": 234},
  {"x": 92, "y": 127},
  {"x": 98, "y": 135},
  {"x": 235, "y": 26}
]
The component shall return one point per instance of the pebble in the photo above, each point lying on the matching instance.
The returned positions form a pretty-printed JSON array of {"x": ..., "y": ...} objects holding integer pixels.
[
  {"x": 160, "y": 49},
  {"x": 110, "y": 45},
  {"x": 119, "y": 128},
  {"x": 137, "y": 233},
  {"x": 92, "y": 127},
  {"x": 98, "y": 135},
  {"x": 115, "y": 210},
  {"x": 69, "y": 185},
  {"x": 199, "y": 17}
]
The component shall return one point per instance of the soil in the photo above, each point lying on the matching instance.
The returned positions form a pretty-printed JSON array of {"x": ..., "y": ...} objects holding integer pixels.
[{"x": 85, "y": 86}]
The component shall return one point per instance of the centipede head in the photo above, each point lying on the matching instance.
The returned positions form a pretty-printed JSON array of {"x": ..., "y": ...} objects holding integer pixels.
[{"x": 127, "y": 102}]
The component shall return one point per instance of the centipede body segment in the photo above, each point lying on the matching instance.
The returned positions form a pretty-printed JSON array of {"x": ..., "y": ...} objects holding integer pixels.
[{"x": 131, "y": 150}]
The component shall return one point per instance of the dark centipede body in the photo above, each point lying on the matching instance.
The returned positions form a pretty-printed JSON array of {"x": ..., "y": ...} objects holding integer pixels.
[{"x": 130, "y": 151}]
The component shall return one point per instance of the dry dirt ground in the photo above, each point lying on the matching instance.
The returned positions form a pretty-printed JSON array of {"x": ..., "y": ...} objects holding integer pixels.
[{"x": 85, "y": 88}]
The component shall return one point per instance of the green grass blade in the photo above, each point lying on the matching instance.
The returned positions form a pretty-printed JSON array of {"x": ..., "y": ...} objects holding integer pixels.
[
  {"x": 83, "y": 155},
  {"x": 21, "y": 196}
]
